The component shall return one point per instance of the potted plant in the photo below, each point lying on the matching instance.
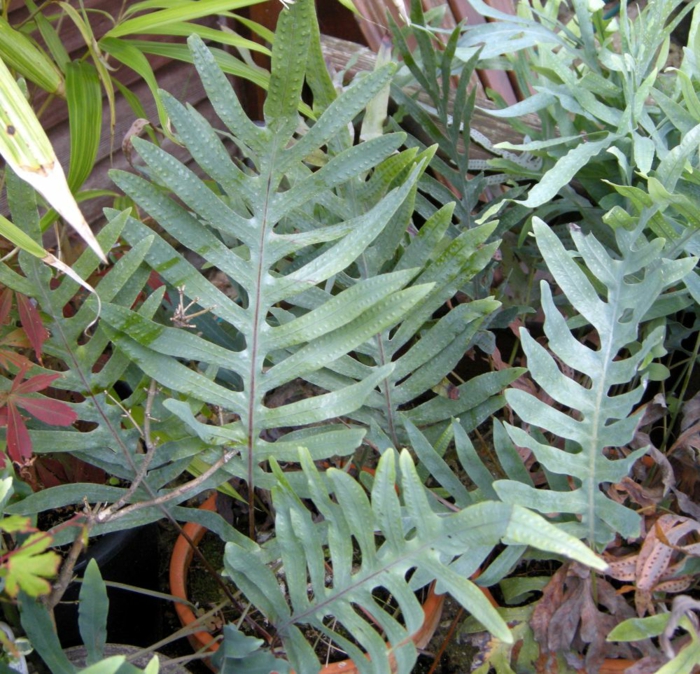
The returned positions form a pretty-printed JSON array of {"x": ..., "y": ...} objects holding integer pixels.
[
  {"x": 205, "y": 640},
  {"x": 282, "y": 233},
  {"x": 351, "y": 294}
]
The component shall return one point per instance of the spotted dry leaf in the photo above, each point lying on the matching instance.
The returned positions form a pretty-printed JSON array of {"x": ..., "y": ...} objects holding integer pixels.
[
  {"x": 657, "y": 566},
  {"x": 689, "y": 440}
]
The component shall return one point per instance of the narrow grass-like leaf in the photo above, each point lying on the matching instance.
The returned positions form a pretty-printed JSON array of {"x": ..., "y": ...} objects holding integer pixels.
[
  {"x": 184, "y": 12},
  {"x": 186, "y": 28},
  {"x": 84, "y": 97},
  {"x": 228, "y": 63},
  {"x": 131, "y": 57},
  {"x": 18, "y": 52}
]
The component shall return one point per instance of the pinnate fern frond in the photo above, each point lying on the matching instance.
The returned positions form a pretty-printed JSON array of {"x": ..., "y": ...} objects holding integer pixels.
[
  {"x": 601, "y": 420},
  {"x": 423, "y": 349},
  {"x": 279, "y": 232},
  {"x": 333, "y": 567},
  {"x": 79, "y": 354}
]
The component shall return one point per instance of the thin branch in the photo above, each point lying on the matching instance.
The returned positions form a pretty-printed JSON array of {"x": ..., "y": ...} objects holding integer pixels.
[
  {"x": 65, "y": 576},
  {"x": 109, "y": 514},
  {"x": 150, "y": 450}
]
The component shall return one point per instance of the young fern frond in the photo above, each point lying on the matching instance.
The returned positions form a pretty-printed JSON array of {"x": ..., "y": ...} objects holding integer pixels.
[
  {"x": 602, "y": 421},
  {"x": 392, "y": 537}
]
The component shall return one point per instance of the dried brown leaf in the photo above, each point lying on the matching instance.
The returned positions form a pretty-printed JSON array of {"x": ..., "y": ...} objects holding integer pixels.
[
  {"x": 654, "y": 410},
  {"x": 595, "y": 627},
  {"x": 649, "y": 664},
  {"x": 682, "y": 605},
  {"x": 676, "y": 585},
  {"x": 552, "y": 598},
  {"x": 686, "y": 504},
  {"x": 668, "y": 477},
  {"x": 566, "y": 619},
  {"x": 643, "y": 496},
  {"x": 623, "y": 568},
  {"x": 655, "y": 556},
  {"x": 691, "y": 412}
]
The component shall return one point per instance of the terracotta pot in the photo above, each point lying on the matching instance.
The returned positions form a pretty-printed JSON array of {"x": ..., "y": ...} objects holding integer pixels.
[{"x": 179, "y": 567}]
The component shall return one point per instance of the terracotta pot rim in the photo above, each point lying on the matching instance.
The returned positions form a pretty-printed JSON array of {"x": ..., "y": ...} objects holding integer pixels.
[{"x": 179, "y": 566}]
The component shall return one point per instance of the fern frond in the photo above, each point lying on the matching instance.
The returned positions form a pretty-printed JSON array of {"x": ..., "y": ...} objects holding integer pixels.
[
  {"x": 602, "y": 420},
  {"x": 334, "y": 567},
  {"x": 281, "y": 233}
]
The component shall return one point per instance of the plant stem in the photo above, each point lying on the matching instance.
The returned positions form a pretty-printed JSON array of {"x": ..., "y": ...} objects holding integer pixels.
[
  {"x": 66, "y": 573},
  {"x": 181, "y": 492}
]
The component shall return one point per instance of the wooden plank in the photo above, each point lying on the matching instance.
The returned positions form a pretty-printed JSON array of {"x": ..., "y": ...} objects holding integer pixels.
[
  {"x": 374, "y": 27},
  {"x": 56, "y": 111},
  {"x": 177, "y": 78}
]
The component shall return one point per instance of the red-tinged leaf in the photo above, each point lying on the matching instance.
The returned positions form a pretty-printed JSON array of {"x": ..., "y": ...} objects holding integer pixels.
[
  {"x": 5, "y": 305},
  {"x": 35, "y": 384},
  {"x": 49, "y": 411},
  {"x": 32, "y": 323},
  {"x": 19, "y": 444},
  {"x": 8, "y": 358},
  {"x": 85, "y": 472},
  {"x": 50, "y": 472},
  {"x": 154, "y": 281}
]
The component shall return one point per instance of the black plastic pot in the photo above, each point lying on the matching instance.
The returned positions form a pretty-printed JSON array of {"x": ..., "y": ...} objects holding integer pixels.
[{"x": 129, "y": 557}]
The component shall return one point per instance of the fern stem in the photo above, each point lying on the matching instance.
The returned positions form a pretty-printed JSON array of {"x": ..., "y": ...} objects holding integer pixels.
[{"x": 255, "y": 368}]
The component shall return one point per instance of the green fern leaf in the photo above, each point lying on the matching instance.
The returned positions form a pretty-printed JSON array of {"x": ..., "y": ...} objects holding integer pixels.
[
  {"x": 604, "y": 421},
  {"x": 280, "y": 325}
]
